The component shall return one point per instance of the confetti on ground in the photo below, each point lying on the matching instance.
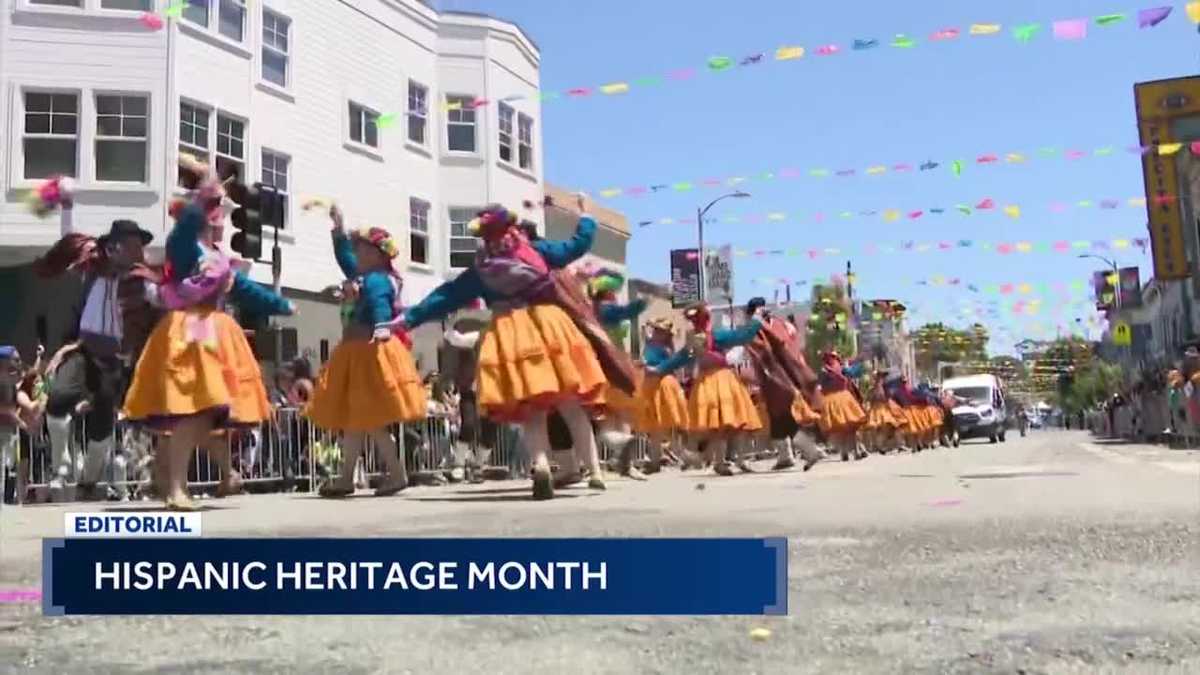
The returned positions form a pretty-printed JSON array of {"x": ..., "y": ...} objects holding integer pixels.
[
  {"x": 20, "y": 595},
  {"x": 760, "y": 634},
  {"x": 699, "y": 486},
  {"x": 946, "y": 502}
]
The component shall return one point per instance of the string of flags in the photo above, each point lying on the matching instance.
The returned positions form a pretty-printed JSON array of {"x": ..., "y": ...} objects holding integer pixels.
[
  {"x": 1003, "y": 248},
  {"x": 928, "y": 167},
  {"x": 1063, "y": 30},
  {"x": 986, "y": 205}
]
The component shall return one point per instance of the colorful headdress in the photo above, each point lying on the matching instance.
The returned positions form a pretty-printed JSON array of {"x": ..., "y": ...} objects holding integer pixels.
[
  {"x": 696, "y": 312},
  {"x": 494, "y": 218},
  {"x": 379, "y": 238},
  {"x": 49, "y": 195},
  {"x": 605, "y": 281},
  {"x": 831, "y": 356},
  {"x": 662, "y": 323}
]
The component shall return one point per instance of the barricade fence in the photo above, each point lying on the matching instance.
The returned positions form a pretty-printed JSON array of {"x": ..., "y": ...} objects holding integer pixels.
[{"x": 285, "y": 454}]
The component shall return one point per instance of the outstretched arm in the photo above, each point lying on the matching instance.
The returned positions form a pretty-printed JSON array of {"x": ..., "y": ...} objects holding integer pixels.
[
  {"x": 678, "y": 360},
  {"x": 450, "y": 296},
  {"x": 726, "y": 338},
  {"x": 343, "y": 250},
  {"x": 559, "y": 254},
  {"x": 613, "y": 313},
  {"x": 257, "y": 299}
]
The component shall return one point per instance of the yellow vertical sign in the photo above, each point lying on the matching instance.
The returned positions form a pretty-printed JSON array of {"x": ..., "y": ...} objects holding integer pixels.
[{"x": 1158, "y": 103}]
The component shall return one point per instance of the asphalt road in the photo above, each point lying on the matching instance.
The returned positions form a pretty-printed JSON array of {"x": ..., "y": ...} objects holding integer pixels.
[{"x": 1054, "y": 554}]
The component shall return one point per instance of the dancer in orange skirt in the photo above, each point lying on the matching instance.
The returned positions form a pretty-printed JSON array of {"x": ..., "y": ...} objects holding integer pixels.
[
  {"x": 662, "y": 409},
  {"x": 197, "y": 373},
  {"x": 533, "y": 357},
  {"x": 882, "y": 423},
  {"x": 721, "y": 414},
  {"x": 842, "y": 415},
  {"x": 370, "y": 382},
  {"x": 914, "y": 422}
]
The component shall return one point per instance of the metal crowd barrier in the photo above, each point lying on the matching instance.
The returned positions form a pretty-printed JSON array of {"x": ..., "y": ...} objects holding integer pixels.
[{"x": 286, "y": 454}]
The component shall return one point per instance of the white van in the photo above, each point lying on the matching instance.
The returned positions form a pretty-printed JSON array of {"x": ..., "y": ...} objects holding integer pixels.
[{"x": 981, "y": 409}]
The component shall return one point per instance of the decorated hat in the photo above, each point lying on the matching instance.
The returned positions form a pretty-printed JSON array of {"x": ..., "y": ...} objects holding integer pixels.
[
  {"x": 662, "y": 323},
  {"x": 831, "y": 355},
  {"x": 127, "y": 228},
  {"x": 492, "y": 219},
  {"x": 696, "y": 311},
  {"x": 605, "y": 281},
  {"x": 379, "y": 238}
]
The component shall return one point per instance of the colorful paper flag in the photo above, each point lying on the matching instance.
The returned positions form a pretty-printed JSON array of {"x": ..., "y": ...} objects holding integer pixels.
[
  {"x": 1071, "y": 29},
  {"x": 1109, "y": 19},
  {"x": 944, "y": 34},
  {"x": 719, "y": 63},
  {"x": 876, "y": 170},
  {"x": 820, "y": 173},
  {"x": 985, "y": 204},
  {"x": 891, "y": 214},
  {"x": 827, "y": 50},
  {"x": 1012, "y": 211},
  {"x": 957, "y": 167},
  {"x": 1148, "y": 18},
  {"x": 1170, "y": 148},
  {"x": 903, "y": 42},
  {"x": 615, "y": 88},
  {"x": 789, "y": 53},
  {"x": 1024, "y": 33},
  {"x": 929, "y": 166},
  {"x": 1014, "y": 158},
  {"x": 176, "y": 9},
  {"x": 1193, "y": 11},
  {"x": 987, "y": 28},
  {"x": 861, "y": 44}
]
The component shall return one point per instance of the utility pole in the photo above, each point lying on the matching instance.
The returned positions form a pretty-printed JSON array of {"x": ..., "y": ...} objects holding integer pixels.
[{"x": 277, "y": 271}]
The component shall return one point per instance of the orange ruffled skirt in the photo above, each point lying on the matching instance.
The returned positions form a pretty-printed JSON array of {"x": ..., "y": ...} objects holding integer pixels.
[
  {"x": 535, "y": 358},
  {"x": 197, "y": 361},
  {"x": 720, "y": 402},
  {"x": 899, "y": 413},
  {"x": 663, "y": 407},
  {"x": 803, "y": 413},
  {"x": 367, "y": 386},
  {"x": 842, "y": 413},
  {"x": 880, "y": 417}
]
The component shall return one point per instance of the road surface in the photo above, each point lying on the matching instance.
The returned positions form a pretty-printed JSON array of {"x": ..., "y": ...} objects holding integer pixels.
[{"x": 1054, "y": 553}]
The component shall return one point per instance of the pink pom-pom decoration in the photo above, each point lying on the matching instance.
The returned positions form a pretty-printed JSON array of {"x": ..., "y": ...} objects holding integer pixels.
[
  {"x": 50, "y": 195},
  {"x": 151, "y": 21}
]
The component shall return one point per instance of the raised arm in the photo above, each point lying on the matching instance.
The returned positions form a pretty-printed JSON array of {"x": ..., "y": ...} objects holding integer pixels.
[
  {"x": 559, "y": 254},
  {"x": 726, "y": 338},
  {"x": 183, "y": 247},
  {"x": 677, "y": 360},
  {"x": 343, "y": 250},
  {"x": 450, "y": 296}
]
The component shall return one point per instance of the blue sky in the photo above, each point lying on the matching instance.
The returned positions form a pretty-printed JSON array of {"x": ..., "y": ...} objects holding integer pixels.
[{"x": 959, "y": 99}]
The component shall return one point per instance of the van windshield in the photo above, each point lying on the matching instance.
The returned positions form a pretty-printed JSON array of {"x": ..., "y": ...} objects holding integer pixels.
[{"x": 976, "y": 395}]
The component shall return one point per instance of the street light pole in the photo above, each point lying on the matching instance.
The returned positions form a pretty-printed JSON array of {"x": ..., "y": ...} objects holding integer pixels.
[
  {"x": 700, "y": 236},
  {"x": 1116, "y": 273}
]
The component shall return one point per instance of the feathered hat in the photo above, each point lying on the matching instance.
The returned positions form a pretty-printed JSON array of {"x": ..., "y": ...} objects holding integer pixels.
[
  {"x": 662, "y": 323},
  {"x": 604, "y": 281},
  {"x": 379, "y": 238}
]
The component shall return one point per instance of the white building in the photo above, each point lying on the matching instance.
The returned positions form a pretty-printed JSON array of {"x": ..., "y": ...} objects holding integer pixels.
[{"x": 409, "y": 118}]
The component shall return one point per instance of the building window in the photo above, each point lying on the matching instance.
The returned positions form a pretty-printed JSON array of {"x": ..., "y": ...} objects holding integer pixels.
[
  {"x": 58, "y": 3},
  {"x": 231, "y": 19},
  {"x": 275, "y": 47},
  {"x": 460, "y": 124},
  {"x": 506, "y": 132},
  {"x": 51, "y": 134},
  {"x": 418, "y": 113},
  {"x": 196, "y": 11},
  {"x": 121, "y": 133},
  {"x": 231, "y": 147},
  {"x": 363, "y": 127},
  {"x": 132, "y": 5},
  {"x": 462, "y": 244},
  {"x": 275, "y": 173},
  {"x": 525, "y": 142},
  {"x": 193, "y": 134},
  {"x": 418, "y": 230}
]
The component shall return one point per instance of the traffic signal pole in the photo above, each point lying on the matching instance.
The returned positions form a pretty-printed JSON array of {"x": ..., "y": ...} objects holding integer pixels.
[{"x": 277, "y": 286}]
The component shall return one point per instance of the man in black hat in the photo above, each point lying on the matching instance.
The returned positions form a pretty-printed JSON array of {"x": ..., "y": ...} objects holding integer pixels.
[{"x": 117, "y": 312}]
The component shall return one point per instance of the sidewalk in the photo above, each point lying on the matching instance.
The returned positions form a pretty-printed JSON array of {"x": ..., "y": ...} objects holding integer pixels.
[{"x": 1124, "y": 451}]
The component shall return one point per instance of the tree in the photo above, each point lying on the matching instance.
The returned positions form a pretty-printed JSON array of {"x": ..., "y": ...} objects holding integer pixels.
[{"x": 1089, "y": 386}]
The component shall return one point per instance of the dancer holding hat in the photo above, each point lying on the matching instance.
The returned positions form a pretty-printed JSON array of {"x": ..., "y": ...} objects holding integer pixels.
[
  {"x": 117, "y": 312},
  {"x": 370, "y": 382},
  {"x": 533, "y": 357}
]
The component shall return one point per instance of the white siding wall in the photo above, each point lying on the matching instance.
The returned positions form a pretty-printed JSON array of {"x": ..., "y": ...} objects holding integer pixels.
[{"x": 339, "y": 50}]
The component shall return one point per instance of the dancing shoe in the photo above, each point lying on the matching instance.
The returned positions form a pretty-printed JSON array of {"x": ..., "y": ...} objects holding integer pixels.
[
  {"x": 543, "y": 484},
  {"x": 335, "y": 490},
  {"x": 230, "y": 485},
  {"x": 723, "y": 468},
  {"x": 391, "y": 486},
  {"x": 744, "y": 466}
]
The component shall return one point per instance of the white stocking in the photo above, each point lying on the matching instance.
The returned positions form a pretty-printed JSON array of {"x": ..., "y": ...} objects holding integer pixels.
[{"x": 582, "y": 438}]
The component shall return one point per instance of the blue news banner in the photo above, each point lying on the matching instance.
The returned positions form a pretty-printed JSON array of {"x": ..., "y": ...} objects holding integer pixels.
[{"x": 415, "y": 576}]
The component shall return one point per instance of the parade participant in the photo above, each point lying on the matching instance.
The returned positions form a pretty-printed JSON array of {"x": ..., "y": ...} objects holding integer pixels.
[
  {"x": 882, "y": 426},
  {"x": 783, "y": 376},
  {"x": 117, "y": 313},
  {"x": 197, "y": 373},
  {"x": 620, "y": 409},
  {"x": 931, "y": 424},
  {"x": 842, "y": 414},
  {"x": 476, "y": 436},
  {"x": 370, "y": 382},
  {"x": 721, "y": 415},
  {"x": 533, "y": 358},
  {"x": 663, "y": 411}
]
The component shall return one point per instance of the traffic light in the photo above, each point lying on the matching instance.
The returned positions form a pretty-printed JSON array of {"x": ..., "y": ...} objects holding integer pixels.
[{"x": 258, "y": 205}]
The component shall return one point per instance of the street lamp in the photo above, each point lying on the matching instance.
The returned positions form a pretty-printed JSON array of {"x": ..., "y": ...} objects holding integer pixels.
[
  {"x": 700, "y": 232},
  {"x": 1116, "y": 272}
]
